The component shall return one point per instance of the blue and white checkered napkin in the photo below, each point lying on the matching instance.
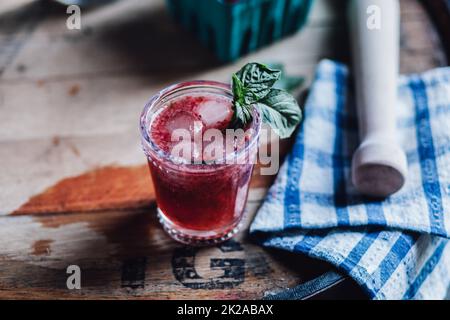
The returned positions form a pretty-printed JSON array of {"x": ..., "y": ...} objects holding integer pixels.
[{"x": 395, "y": 248}]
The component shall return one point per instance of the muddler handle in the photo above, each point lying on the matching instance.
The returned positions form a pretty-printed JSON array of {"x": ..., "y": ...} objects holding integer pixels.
[{"x": 379, "y": 165}]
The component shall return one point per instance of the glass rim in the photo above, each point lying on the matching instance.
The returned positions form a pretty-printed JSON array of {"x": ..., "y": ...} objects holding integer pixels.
[{"x": 148, "y": 144}]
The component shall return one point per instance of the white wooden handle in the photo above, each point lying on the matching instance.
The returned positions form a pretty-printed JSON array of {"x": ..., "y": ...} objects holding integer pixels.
[{"x": 379, "y": 165}]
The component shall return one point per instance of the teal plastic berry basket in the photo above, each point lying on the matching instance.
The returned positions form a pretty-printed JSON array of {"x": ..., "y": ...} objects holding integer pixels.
[{"x": 232, "y": 28}]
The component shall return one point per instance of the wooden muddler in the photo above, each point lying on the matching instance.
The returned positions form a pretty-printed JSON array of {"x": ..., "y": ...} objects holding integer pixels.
[{"x": 379, "y": 165}]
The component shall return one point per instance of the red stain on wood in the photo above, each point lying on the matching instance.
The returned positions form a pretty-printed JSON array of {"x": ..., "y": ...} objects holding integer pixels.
[
  {"x": 74, "y": 90},
  {"x": 106, "y": 188},
  {"x": 101, "y": 189},
  {"x": 74, "y": 149},
  {"x": 41, "y": 247},
  {"x": 56, "y": 141}
]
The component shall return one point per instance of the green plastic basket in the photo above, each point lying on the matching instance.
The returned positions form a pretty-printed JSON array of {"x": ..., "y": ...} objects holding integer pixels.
[{"x": 234, "y": 28}]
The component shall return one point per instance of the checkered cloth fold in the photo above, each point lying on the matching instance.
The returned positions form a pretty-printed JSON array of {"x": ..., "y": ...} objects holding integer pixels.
[{"x": 394, "y": 248}]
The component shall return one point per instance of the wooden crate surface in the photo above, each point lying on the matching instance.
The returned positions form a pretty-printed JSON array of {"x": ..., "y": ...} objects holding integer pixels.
[{"x": 74, "y": 187}]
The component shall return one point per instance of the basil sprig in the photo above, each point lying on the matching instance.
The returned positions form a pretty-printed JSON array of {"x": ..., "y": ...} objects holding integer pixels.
[{"x": 253, "y": 86}]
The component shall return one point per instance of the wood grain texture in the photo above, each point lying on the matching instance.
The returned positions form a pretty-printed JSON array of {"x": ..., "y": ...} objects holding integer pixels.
[
  {"x": 69, "y": 145},
  {"x": 126, "y": 254}
]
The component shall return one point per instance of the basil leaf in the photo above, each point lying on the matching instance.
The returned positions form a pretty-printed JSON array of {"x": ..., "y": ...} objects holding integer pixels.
[
  {"x": 281, "y": 111},
  {"x": 238, "y": 89},
  {"x": 253, "y": 85},
  {"x": 242, "y": 115},
  {"x": 256, "y": 79}
]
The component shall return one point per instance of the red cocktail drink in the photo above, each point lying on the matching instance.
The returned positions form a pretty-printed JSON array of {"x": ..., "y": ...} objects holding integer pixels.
[{"x": 202, "y": 180}]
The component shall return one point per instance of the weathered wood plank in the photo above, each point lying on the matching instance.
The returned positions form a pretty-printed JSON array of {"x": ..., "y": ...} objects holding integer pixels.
[
  {"x": 127, "y": 39},
  {"x": 31, "y": 166},
  {"x": 69, "y": 104},
  {"x": 101, "y": 189},
  {"x": 127, "y": 254}
]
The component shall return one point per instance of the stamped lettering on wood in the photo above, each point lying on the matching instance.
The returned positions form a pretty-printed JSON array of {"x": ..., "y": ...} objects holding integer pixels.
[{"x": 231, "y": 270}]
